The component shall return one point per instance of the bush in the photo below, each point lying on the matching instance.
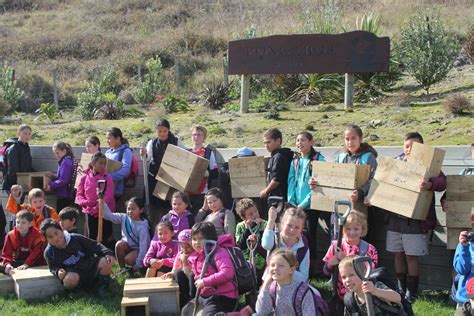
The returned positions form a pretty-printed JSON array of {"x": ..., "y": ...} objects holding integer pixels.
[
  {"x": 458, "y": 104},
  {"x": 151, "y": 83},
  {"x": 318, "y": 88},
  {"x": 4, "y": 105},
  {"x": 469, "y": 45},
  {"x": 11, "y": 94},
  {"x": 174, "y": 104},
  {"x": 216, "y": 95},
  {"x": 427, "y": 50},
  {"x": 37, "y": 91},
  {"x": 48, "y": 111}
]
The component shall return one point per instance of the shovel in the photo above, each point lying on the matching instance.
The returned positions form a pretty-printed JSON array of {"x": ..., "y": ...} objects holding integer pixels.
[
  {"x": 340, "y": 220},
  {"x": 101, "y": 186},
  {"x": 363, "y": 268},
  {"x": 252, "y": 299},
  {"x": 145, "y": 180},
  {"x": 192, "y": 307}
]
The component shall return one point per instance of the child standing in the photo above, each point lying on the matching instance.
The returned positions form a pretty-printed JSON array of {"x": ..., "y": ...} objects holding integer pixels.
[
  {"x": 222, "y": 218},
  {"x": 462, "y": 263},
  {"x": 290, "y": 237},
  {"x": 179, "y": 216},
  {"x": 92, "y": 144},
  {"x": 135, "y": 241},
  {"x": 120, "y": 151},
  {"x": 77, "y": 260},
  {"x": 68, "y": 219},
  {"x": 279, "y": 292},
  {"x": 408, "y": 238},
  {"x": 61, "y": 183},
  {"x": 162, "y": 252},
  {"x": 24, "y": 245},
  {"x": 354, "y": 229}
]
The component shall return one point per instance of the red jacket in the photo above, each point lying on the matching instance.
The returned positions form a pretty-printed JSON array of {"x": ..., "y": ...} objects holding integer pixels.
[{"x": 29, "y": 248}]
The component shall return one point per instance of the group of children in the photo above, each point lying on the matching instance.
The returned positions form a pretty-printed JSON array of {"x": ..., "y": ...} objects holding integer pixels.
[{"x": 283, "y": 248}]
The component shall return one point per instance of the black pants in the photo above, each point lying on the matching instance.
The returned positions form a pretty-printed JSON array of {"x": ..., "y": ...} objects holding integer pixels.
[
  {"x": 3, "y": 224},
  {"x": 217, "y": 303},
  {"x": 184, "y": 288},
  {"x": 107, "y": 231}
]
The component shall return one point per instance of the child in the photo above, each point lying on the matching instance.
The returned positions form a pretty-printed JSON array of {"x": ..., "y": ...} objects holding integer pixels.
[
  {"x": 290, "y": 237},
  {"x": 407, "y": 237},
  {"x": 222, "y": 218},
  {"x": 86, "y": 195},
  {"x": 278, "y": 293},
  {"x": 181, "y": 271},
  {"x": 250, "y": 230},
  {"x": 162, "y": 252},
  {"x": 278, "y": 165},
  {"x": 198, "y": 135},
  {"x": 135, "y": 241},
  {"x": 68, "y": 219},
  {"x": 77, "y": 260},
  {"x": 218, "y": 291},
  {"x": 179, "y": 216},
  {"x": 61, "y": 183},
  {"x": 37, "y": 205},
  {"x": 354, "y": 229},
  {"x": 356, "y": 290},
  {"x": 120, "y": 151},
  {"x": 92, "y": 145},
  {"x": 462, "y": 263},
  {"x": 23, "y": 246}
]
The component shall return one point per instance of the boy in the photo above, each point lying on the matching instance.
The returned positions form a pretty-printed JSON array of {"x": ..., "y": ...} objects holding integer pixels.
[
  {"x": 407, "y": 237},
  {"x": 354, "y": 299},
  {"x": 68, "y": 219},
  {"x": 278, "y": 165},
  {"x": 250, "y": 230},
  {"x": 37, "y": 205},
  {"x": 23, "y": 246}
]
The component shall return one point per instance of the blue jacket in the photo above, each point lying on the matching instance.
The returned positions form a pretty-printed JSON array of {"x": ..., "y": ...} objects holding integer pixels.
[
  {"x": 119, "y": 175},
  {"x": 463, "y": 264},
  {"x": 60, "y": 186}
]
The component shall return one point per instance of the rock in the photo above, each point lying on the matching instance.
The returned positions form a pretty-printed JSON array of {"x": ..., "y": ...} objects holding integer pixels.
[
  {"x": 441, "y": 129},
  {"x": 434, "y": 121},
  {"x": 373, "y": 137},
  {"x": 375, "y": 123},
  {"x": 325, "y": 116}
]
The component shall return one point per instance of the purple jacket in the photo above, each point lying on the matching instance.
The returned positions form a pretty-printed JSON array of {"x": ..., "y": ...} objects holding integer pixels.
[
  {"x": 60, "y": 186},
  {"x": 179, "y": 222},
  {"x": 158, "y": 250},
  {"x": 220, "y": 281}
]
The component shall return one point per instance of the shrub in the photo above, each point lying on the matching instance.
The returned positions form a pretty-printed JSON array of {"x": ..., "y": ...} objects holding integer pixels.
[
  {"x": 48, "y": 111},
  {"x": 216, "y": 95},
  {"x": 427, "y": 50},
  {"x": 151, "y": 83},
  {"x": 469, "y": 45},
  {"x": 4, "y": 105},
  {"x": 37, "y": 91},
  {"x": 458, "y": 104},
  {"x": 325, "y": 20},
  {"x": 174, "y": 104},
  {"x": 317, "y": 88},
  {"x": 11, "y": 94}
]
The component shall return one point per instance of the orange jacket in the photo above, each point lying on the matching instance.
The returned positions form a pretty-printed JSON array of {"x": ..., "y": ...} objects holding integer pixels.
[
  {"x": 47, "y": 212},
  {"x": 31, "y": 250}
]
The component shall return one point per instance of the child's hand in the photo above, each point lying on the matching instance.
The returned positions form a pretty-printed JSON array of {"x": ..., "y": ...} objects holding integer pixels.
[
  {"x": 312, "y": 183},
  {"x": 16, "y": 190},
  {"x": 61, "y": 274},
  {"x": 252, "y": 239},
  {"x": 366, "y": 201},
  {"x": 23, "y": 267},
  {"x": 272, "y": 214},
  {"x": 268, "y": 280},
  {"x": 205, "y": 206},
  {"x": 157, "y": 264},
  {"x": 354, "y": 196},
  {"x": 110, "y": 259},
  {"x": 199, "y": 284},
  {"x": 8, "y": 269},
  {"x": 143, "y": 152},
  {"x": 425, "y": 184},
  {"x": 463, "y": 238},
  {"x": 368, "y": 287},
  {"x": 169, "y": 275},
  {"x": 184, "y": 259}
]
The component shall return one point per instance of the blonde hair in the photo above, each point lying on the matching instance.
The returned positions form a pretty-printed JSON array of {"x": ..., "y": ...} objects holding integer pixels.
[
  {"x": 35, "y": 193},
  {"x": 347, "y": 262},
  {"x": 286, "y": 254},
  {"x": 201, "y": 129},
  {"x": 356, "y": 217},
  {"x": 294, "y": 212}
]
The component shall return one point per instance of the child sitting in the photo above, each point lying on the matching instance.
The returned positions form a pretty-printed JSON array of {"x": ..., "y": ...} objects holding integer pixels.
[
  {"x": 179, "y": 216},
  {"x": 250, "y": 231},
  {"x": 68, "y": 219},
  {"x": 279, "y": 294},
  {"x": 354, "y": 229},
  {"x": 290, "y": 237},
  {"x": 37, "y": 205},
  {"x": 77, "y": 260},
  {"x": 162, "y": 252},
  {"x": 222, "y": 218},
  {"x": 218, "y": 291},
  {"x": 135, "y": 241},
  {"x": 24, "y": 245},
  {"x": 356, "y": 288},
  {"x": 462, "y": 263}
]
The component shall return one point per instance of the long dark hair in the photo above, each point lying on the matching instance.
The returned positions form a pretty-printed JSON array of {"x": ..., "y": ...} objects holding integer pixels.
[
  {"x": 94, "y": 140},
  {"x": 116, "y": 132}
]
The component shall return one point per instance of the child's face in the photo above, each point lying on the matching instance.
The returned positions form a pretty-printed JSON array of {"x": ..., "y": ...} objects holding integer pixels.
[
  {"x": 352, "y": 140},
  {"x": 112, "y": 141},
  {"x": 187, "y": 249},
  {"x": 100, "y": 165},
  {"x": 292, "y": 227},
  {"x": 197, "y": 137},
  {"x": 271, "y": 144},
  {"x": 178, "y": 205},
  {"x": 23, "y": 226},
  {"x": 37, "y": 204},
  {"x": 352, "y": 233},
  {"x": 59, "y": 154},
  {"x": 55, "y": 237},
  {"x": 280, "y": 269},
  {"x": 214, "y": 203},
  {"x": 303, "y": 144},
  {"x": 67, "y": 224},
  {"x": 198, "y": 242},
  {"x": 407, "y": 146},
  {"x": 349, "y": 278},
  {"x": 25, "y": 135},
  {"x": 133, "y": 211},
  {"x": 162, "y": 133},
  {"x": 91, "y": 148},
  {"x": 164, "y": 234},
  {"x": 251, "y": 214}
]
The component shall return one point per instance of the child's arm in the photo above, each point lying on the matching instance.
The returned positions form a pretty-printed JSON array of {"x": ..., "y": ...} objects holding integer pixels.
[
  {"x": 241, "y": 234},
  {"x": 229, "y": 223},
  {"x": 126, "y": 165},
  {"x": 65, "y": 177},
  {"x": 115, "y": 218},
  {"x": 144, "y": 243},
  {"x": 268, "y": 237},
  {"x": 35, "y": 252},
  {"x": 151, "y": 253},
  {"x": 264, "y": 304},
  {"x": 330, "y": 260},
  {"x": 80, "y": 193},
  {"x": 225, "y": 271},
  {"x": 54, "y": 215},
  {"x": 387, "y": 294},
  {"x": 303, "y": 273},
  {"x": 52, "y": 264},
  {"x": 462, "y": 257},
  {"x": 291, "y": 185},
  {"x": 435, "y": 183}
]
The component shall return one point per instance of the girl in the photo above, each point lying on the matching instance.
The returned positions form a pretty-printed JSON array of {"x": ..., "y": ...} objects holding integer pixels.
[
  {"x": 119, "y": 150},
  {"x": 354, "y": 229},
  {"x": 222, "y": 218},
  {"x": 160, "y": 256},
  {"x": 86, "y": 196},
  {"x": 218, "y": 291},
  {"x": 179, "y": 216},
  {"x": 289, "y": 237},
  {"x": 278, "y": 293},
  {"x": 92, "y": 145},
  {"x": 61, "y": 183},
  {"x": 76, "y": 260},
  {"x": 135, "y": 234}
]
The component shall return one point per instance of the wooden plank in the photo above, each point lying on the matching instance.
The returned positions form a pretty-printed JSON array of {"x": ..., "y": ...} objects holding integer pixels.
[
  {"x": 30, "y": 180},
  {"x": 337, "y": 175},
  {"x": 247, "y": 176},
  {"x": 164, "y": 296},
  {"x": 135, "y": 302},
  {"x": 6, "y": 284},
  {"x": 324, "y": 198},
  {"x": 459, "y": 214},
  {"x": 163, "y": 191},
  {"x": 400, "y": 173},
  {"x": 36, "y": 283},
  {"x": 460, "y": 188},
  {"x": 427, "y": 156}
]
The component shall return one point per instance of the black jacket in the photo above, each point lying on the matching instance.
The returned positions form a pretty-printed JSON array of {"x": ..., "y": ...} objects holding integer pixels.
[
  {"x": 278, "y": 169},
  {"x": 19, "y": 160}
]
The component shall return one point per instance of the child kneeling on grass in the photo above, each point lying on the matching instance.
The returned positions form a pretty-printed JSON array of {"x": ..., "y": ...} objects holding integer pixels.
[{"x": 79, "y": 262}]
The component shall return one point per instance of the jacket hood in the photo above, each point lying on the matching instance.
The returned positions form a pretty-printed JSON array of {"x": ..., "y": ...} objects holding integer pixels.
[
  {"x": 364, "y": 147},
  {"x": 142, "y": 223},
  {"x": 186, "y": 213},
  {"x": 287, "y": 152},
  {"x": 226, "y": 240}
]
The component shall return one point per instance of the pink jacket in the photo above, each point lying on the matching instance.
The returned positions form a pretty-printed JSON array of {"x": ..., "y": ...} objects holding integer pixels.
[
  {"x": 158, "y": 250},
  {"x": 220, "y": 281},
  {"x": 86, "y": 195}
]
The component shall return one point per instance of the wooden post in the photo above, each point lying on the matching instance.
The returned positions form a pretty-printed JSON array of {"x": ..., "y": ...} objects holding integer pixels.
[
  {"x": 348, "y": 91},
  {"x": 225, "y": 62},
  {"x": 244, "y": 94},
  {"x": 55, "y": 89},
  {"x": 176, "y": 76}
]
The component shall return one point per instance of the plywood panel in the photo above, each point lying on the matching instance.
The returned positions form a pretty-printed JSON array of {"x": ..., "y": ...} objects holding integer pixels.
[
  {"x": 337, "y": 175},
  {"x": 459, "y": 214},
  {"x": 247, "y": 176},
  {"x": 324, "y": 198},
  {"x": 427, "y": 156},
  {"x": 400, "y": 173},
  {"x": 460, "y": 188}
]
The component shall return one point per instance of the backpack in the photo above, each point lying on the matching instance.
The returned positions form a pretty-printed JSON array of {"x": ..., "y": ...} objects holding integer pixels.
[
  {"x": 132, "y": 176},
  {"x": 319, "y": 304},
  {"x": 71, "y": 184},
  {"x": 381, "y": 275},
  {"x": 4, "y": 155}
]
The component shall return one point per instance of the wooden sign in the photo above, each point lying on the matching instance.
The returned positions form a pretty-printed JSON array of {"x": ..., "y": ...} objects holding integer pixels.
[
  {"x": 163, "y": 294},
  {"x": 400, "y": 173},
  {"x": 340, "y": 175},
  {"x": 30, "y": 180},
  {"x": 427, "y": 156},
  {"x": 247, "y": 176},
  {"x": 460, "y": 188},
  {"x": 459, "y": 213},
  {"x": 83, "y": 165},
  {"x": 324, "y": 198},
  {"x": 36, "y": 283}
]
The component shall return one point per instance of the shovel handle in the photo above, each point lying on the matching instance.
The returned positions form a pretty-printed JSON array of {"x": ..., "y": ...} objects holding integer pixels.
[
  {"x": 341, "y": 218},
  {"x": 369, "y": 304}
]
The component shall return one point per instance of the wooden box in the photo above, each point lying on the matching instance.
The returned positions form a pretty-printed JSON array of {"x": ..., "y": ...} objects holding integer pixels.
[
  {"x": 83, "y": 165},
  {"x": 324, "y": 198},
  {"x": 30, "y": 180},
  {"x": 460, "y": 188},
  {"x": 36, "y": 283},
  {"x": 247, "y": 176},
  {"x": 398, "y": 200},
  {"x": 163, "y": 294},
  {"x": 181, "y": 169},
  {"x": 7, "y": 285},
  {"x": 400, "y": 173},
  {"x": 427, "y": 156},
  {"x": 128, "y": 303},
  {"x": 340, "y": 175},
  {"x": 163, "y": 191},
  {"x": 459, "y": 213},
  {"x": 452, "y": 236}
]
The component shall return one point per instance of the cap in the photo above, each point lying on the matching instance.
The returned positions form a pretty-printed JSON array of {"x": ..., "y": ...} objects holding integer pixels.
[
  {"x": 470, "y": 288},
  {"x": 185, "y": 236},
  {"x": 245, "y": 152}
]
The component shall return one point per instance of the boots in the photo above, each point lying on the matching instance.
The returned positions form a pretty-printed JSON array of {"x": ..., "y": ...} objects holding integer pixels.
[
  {"x": 402, "y": 281},
  {"x": 412, "y": 288},
  {"x": 102, "y": 285}
]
